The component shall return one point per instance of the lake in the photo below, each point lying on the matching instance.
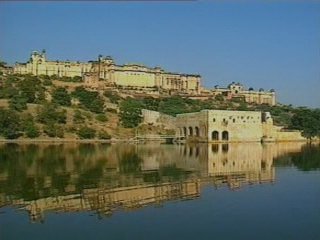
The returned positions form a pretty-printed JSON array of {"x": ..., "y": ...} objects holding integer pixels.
[{"x": 160, "y": 191}]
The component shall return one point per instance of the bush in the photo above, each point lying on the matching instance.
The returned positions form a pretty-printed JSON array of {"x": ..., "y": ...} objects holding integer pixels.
[
  {"x": 113, "y": 97},
  {"x": 53, "y": 130},
  {"x": 86, "y": 133},
  {"x": 101, "y": 118},
  {"x": 104, "y": 135},
  {"x": 219, "y": 98},
  {"x": 89, "y": 100},
  {"x": 47, "y": 82},
  {"x": 78, "y": 117},
  {"x": 18, "y": 103},
  {"x": 60, "y": 95},
  {"x": 9, "y": 124},
  {"x": 50, "y": 113},
  {"x": 29, "y": 126},
  {"x": 130, "y": 113}
]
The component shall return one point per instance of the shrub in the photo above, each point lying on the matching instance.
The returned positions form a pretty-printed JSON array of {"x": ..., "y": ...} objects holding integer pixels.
[
  {"x": 9, "y": 124},
  {"x": 104, "y": 135},
  {"x": 29, "y": 126},
  {"x": 50, "y": 113},
  {"x": 53, "y": 130},
  {"x": 60, "y": 95},
  {"x": 18, "y": 103},
  {"x": 130, "y": 113},
  {"x": 78, "y": 117},
  {"x": 86, "y": 133},
  {"x": 89, "y": 100},
  {"x": 101, "y": 118}
]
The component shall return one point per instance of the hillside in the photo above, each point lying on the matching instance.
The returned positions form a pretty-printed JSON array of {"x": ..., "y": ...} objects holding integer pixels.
[{"x": 60, "y": 108}]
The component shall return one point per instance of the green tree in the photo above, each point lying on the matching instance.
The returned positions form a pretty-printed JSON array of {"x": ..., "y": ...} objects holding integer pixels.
[
  {"x": 308, "y": 121},
  {"x": 130, "y": 113},
  {"x": 86, "y": 133},
  {"x": 28, "y": 125},
  {"x": 50, "y": 113},
  {"x": 18, "y": 103},
  {"x": 60, "y": 96},
  {"x": 53, "y": 130},
  {"x": 89, "y": 100},
  {"x": 9, "y": 124}
]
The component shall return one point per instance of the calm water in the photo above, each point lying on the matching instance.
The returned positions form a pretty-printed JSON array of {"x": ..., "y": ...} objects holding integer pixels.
[{"x": 154, "y": 191}]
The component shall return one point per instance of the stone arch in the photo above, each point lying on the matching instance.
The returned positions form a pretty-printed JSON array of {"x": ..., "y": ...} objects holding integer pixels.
[
  {"x": 190, "y": 131},
  {"x": 225, "y": 135},
  {"x": 215, "y": 135},
  {"x": 203, "y": 131},
  {"x": 184, "y": 131},
  {"x": 197, "y": 131}
]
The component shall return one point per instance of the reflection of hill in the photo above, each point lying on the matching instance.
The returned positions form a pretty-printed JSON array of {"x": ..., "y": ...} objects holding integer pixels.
[{"x": 102, "y": 178}]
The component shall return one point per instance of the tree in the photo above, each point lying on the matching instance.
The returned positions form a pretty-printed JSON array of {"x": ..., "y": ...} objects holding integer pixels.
[
  {"x": 130, "y": 113},
  {"x": 308, "y": 121},
  {"x": 89, "y": 100},
  {"x": 9, "y": 124},
  {"x": 28, "y": 125},
  {"x": 53, "y": 130},
  {"x": 60, "y": 96},
  {"x": 86, "y": 133},
  {"x": 50, "y": 113},
  {"x": 18, "y": 103}
]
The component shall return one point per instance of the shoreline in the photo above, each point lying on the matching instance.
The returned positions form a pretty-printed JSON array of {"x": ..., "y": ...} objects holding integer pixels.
[{"x": 124, "y": 140}]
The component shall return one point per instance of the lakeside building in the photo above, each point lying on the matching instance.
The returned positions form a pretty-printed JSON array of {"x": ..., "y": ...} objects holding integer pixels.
[{"x": 232, "y": 126}]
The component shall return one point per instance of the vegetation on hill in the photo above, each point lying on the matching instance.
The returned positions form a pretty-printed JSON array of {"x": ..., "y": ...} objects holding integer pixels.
[{"x": 37, "y": 107}]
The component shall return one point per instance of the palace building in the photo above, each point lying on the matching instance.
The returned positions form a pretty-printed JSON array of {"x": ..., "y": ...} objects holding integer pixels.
[
  {"x": 105, "y": 72},
  {"x": 236, "y": 90}
]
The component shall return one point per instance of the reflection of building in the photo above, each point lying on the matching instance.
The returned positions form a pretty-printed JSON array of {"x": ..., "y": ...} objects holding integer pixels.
[
  {"x": 105, "y": 178},
  {"x": 104, "y": 72},
  {"x": 236, "y": 90},
  {"x": 232, "y": 126}
]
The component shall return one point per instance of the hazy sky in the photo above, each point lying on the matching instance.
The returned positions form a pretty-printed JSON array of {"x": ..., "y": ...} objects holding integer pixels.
[{"x": 260, "y": 44}]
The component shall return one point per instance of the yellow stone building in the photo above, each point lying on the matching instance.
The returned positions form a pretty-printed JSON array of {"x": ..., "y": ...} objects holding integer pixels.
[
  {"x": 232, "y": 126},
  {"x": 105, "y": 72},
  {"x": 236, "y": 90}
]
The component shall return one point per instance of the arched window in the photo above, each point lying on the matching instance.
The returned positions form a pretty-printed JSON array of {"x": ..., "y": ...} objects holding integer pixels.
[
  {"x": 225, "y": 136},
  {"x": 197, "y": 131},
  {"x": 185, "y": 131},
  {"x": 190, "y": 131},
  {"x": 214, "y": 120},
  {"x": 215, "y": 135}
]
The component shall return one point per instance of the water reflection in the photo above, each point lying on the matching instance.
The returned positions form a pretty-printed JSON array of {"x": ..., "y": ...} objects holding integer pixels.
[{"x": 103, "y": 178}]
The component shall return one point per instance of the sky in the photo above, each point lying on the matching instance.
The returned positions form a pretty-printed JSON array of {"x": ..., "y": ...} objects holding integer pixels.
[{"x": 261, "y": 44}]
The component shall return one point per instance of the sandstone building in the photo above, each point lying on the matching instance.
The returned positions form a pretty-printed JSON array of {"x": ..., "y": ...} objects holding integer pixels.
[
  {"x": 236, "y": 90},
  {"x": 105, "y": 72},
  {"x": 232, "y": 126}
]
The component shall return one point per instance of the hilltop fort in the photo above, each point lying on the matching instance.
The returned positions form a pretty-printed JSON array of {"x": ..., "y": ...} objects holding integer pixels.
[{"x": 105, "y": 73}]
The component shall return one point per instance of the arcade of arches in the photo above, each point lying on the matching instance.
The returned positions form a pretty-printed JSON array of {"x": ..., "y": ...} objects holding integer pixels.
[{"x": 202, "y": 132}]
